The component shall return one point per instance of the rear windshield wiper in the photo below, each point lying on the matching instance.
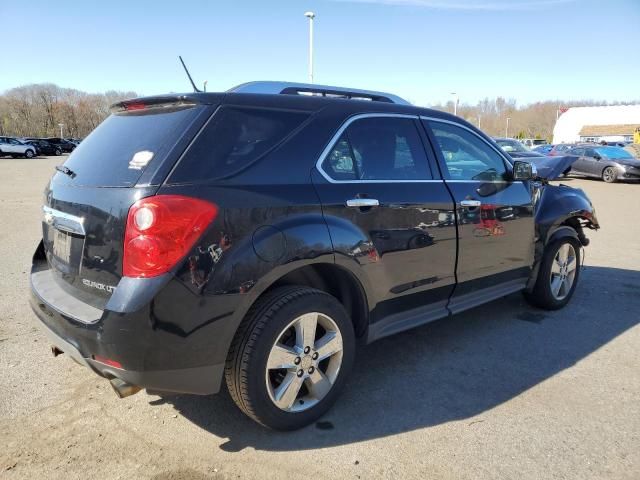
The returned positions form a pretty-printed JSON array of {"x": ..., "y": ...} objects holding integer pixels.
[{"x": 65, "y": 170}]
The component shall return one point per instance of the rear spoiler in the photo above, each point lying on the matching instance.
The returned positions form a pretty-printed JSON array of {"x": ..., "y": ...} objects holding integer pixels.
[{"x": 161, "y": 102}]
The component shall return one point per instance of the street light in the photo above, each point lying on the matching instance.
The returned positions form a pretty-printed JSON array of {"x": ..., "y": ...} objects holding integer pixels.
[
  {"x": 61, "y": 125},
  {"x": 310, "y": 16},
  {"x": 455, "y": 102},
  {"x": 506, "y": 130}
]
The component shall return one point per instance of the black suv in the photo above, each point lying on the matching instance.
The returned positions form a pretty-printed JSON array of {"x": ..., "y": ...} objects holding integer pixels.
[
  {"x": 43, "y": 147},
  {"x": 63, "y": 144},
  {"x": 260, "y": 234}
]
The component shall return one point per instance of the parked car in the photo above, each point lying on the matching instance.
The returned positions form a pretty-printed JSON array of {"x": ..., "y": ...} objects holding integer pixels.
[
  {"x": 259, "y": 235},
  {"x": 543, "y": 149},
  {"x": 560, "y": 149},
  {"x": 15, "y": 148},
  {"x": 44, "y": 148},
  {"x": 532, "y": 142},
  {"x": 609, "y": 163},
  {"x": 65, "y": 145},
  {"x": 515, "y": 149}
]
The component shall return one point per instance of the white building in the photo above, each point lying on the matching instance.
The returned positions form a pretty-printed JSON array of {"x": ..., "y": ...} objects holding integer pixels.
[{"x": 595, "y": 124}]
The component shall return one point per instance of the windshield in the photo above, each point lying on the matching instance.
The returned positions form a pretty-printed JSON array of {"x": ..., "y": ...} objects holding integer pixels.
[
  {"x": 512, "y": 146},
  {"x": 615, "y": 153}
]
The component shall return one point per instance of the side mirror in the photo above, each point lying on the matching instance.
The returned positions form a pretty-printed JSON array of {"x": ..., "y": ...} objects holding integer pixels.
[
  {"x": 597, "y": 157},
  {"x": 524, "y": 171}
]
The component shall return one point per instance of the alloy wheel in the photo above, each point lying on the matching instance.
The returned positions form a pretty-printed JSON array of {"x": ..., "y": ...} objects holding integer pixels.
[
  {"x": 563, "y": 271},
  {"x": 304, "y": 362},
  {"x": 609, "y": 175}
]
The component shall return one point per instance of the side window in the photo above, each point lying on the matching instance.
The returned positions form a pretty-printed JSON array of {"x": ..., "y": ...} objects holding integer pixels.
[
  {"x": 466, "y": 156},
  {"x": 590, "y": 152},
  {"x": 577, "y": 152},
  {"x": 378, "y": 148},
  {"x": 234, "y": 139}
]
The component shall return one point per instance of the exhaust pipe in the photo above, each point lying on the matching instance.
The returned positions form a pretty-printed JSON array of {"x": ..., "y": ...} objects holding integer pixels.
[{"x": 124, "y": 389}]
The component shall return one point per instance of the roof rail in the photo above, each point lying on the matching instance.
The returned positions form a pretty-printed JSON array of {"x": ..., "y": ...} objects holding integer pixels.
[{"x": 290, "y": 88}]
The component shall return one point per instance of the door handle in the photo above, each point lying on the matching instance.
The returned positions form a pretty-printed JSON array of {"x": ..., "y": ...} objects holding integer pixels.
[
  {"x": 470, "y": 203},
  {"x": 362, "y": 202}
]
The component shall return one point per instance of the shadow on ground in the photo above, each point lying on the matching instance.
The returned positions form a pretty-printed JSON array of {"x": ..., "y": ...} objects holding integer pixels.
[{"x": 449, "y": 370}]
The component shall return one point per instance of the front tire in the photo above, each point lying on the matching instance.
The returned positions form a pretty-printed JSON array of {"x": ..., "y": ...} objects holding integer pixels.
[
  {"x": 58, "y": 152},
  {"x": 558, "y": 275},
  {"x": 29, "y": 154},
  {"x": 610, "y": 175},
  {"x": 290, "y": 357}
]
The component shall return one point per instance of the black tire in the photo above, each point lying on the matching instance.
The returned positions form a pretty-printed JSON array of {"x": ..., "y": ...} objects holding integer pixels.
[
  {"x": 610, "y": 175},
  {"x": 246, "y": 364},
  {"x": 541, "y": 296},
  {"x": 29, "y": 153},
  {"x": 58, "y": 152}
]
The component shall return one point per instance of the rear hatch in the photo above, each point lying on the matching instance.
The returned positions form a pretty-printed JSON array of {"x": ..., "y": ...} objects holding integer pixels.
[{"x": 88, "y": 199}]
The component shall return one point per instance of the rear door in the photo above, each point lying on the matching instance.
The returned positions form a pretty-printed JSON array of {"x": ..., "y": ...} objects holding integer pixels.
[
  {"x": 593, "y": 165},
  {"x": 496, "y": 229},
  {"x": 581, "y": 165},
  {"x": 390, "y": 218}
]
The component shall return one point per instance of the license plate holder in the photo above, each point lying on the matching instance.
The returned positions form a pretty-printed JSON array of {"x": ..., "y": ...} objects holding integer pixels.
[{"x": 62, "y": 246}]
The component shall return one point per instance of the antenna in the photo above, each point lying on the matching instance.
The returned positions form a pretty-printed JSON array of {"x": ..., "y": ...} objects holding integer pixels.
[{"x": 195, "y": 89}]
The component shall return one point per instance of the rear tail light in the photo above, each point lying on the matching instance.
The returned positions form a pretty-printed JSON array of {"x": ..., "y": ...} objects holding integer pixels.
[
  {"x": 161, "y": 230},
  {"x": 107, "y": 361}
]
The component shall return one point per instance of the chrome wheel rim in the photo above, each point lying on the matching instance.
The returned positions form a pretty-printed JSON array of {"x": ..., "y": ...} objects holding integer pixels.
[
  {"x": 304, "y": 362},
  {"x": 563, "y": 271},
  {"x": 608, "y": 174}
]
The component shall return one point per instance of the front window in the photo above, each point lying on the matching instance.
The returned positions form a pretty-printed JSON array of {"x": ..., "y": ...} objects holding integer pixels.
[{"x": 466, "y": 155}]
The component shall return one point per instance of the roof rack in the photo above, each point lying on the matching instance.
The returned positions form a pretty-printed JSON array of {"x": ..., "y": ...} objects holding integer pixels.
[{"x": 289, "y": 88}]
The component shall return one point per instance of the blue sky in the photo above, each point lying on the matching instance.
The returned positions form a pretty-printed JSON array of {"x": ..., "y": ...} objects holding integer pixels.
[{"x": 421, "y": 49}]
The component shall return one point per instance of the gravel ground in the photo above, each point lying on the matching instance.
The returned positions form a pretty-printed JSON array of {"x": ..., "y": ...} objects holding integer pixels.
[{"x": 502, "y": 391}]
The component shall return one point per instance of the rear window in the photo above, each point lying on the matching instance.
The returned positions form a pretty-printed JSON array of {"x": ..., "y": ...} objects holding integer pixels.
[
  {"x": 119, "y": 150},
  {"x": 233, "y": 139}
]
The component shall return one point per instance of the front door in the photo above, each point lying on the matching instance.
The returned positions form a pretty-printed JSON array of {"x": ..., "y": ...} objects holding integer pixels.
[
  {"x": 496, "y": 228},
  {"x": 390, "y": 218}
]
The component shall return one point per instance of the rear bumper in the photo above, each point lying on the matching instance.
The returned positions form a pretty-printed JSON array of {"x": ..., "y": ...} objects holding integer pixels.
[
  {"x": 199, "y": 380},
  {"x": 151, "y": 357}
]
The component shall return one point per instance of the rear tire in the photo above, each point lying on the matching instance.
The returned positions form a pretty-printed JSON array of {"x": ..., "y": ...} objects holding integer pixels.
[
  {"x": 558, "y": 275},
  {"x": 610, "y": 175},
  {"x": 58, "y": 152},
  {"x": 279, "y": 370}
]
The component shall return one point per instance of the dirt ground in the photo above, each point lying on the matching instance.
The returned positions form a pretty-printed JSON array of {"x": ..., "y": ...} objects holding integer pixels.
[{"x": 503, "y": 391}]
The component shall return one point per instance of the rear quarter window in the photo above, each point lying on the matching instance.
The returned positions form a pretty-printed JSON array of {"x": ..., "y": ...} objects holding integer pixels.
[{"x": 233, "y": 139}]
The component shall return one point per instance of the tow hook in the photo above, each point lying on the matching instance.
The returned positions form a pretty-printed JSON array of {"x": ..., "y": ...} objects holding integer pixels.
[{"x": 124, "y": 389}]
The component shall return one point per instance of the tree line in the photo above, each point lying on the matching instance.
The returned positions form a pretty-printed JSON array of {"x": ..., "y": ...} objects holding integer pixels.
[
  {"x": 37, "y": 110},
  {"x": 535, "y": 120}
]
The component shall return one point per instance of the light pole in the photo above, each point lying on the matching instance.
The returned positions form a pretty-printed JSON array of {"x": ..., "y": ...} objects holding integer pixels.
[
  {"x": 455, "y": 103},
  {"x": 61, "y": 125},
  {"x": 310, "y": 16},
  {"x": 479, "y": 117},
  {"x": 506, "y": 130}
]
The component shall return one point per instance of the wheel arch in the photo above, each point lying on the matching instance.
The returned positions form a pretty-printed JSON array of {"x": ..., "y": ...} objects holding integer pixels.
[{"x": 335, "y": 280}]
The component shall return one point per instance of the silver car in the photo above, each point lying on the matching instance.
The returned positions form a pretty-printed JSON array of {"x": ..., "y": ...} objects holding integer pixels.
[
  {"x": 15, "y": 148},
  {"x": 609, "y": 163}
]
